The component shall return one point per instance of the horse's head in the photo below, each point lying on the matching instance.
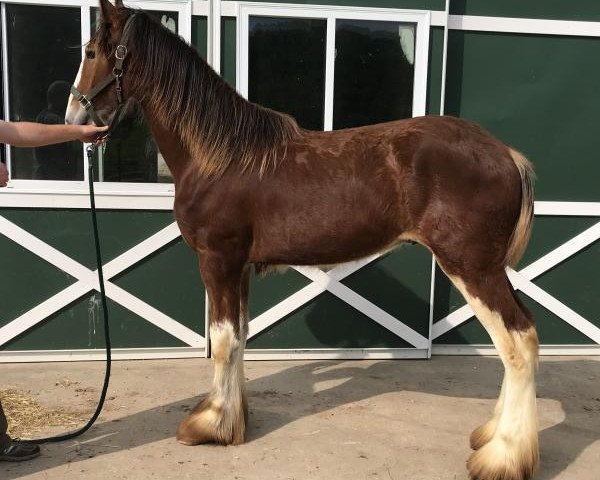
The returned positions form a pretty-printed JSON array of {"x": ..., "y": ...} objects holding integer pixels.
[{"x": 96, "y": 93}]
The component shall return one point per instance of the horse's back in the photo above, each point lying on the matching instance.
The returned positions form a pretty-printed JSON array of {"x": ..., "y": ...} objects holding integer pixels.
[{"x": 356, "y": 191}]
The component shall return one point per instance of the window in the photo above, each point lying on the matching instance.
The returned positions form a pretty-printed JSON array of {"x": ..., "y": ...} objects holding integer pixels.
[
  {"x": 374, "y": 72},
  {"x": 39, "y": 66},
  {"x": 131, "y": 155},
  {"x": 334, "y": 67},
  {"x": 287, "y": 66}
]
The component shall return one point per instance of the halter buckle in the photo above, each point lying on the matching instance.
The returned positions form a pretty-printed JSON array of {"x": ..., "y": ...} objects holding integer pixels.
[
  {"x": 85, "y": 103},
  {"x": 117, "y": 72},
  {"x": 120, "y": 52}
]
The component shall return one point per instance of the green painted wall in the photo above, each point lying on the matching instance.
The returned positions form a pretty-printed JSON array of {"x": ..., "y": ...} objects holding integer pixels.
[
  {"x": 550, "y": 9},
  {"x": 537, "y": 93}
]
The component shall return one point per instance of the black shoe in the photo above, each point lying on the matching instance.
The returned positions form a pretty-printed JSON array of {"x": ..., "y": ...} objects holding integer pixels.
[{"x": 19, "y": 451}]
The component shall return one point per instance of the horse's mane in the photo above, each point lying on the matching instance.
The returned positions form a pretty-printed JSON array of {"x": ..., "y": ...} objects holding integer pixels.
[{"x": 218, "y": 127}]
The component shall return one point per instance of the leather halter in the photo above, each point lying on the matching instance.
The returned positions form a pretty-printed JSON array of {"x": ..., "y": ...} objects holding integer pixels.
[{"x": 115, "y": 76}]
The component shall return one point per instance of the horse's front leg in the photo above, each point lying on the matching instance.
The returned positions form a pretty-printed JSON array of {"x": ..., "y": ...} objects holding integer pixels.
[{"x": 221, "y": 416}]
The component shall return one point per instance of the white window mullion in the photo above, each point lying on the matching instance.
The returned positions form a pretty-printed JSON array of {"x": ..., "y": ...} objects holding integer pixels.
[
  {"x": 5, "y": 83},
  {"x": 243, "y": 47},
  {"x": 329, "y": 73},
  {"x": 214, "y": 35},
  {"x": 85, "y": 37},
  {"x": 421, "y": 65}
]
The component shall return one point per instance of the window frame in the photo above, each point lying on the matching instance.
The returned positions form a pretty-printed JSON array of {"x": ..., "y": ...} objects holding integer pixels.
[
  {"x": 421, "y": 18},
  {"x": 67, "y": 192}
]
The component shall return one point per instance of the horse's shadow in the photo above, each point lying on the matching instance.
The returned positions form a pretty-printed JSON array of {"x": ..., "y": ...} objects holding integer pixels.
[{"x": 444, "y": 376}]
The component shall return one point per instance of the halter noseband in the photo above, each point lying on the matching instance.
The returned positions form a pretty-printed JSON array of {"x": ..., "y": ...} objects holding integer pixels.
[{"x": 114, "y": 76}]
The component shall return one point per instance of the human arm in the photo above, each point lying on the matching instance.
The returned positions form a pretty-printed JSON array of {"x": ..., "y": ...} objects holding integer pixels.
[{"x": 27, "y": 134}]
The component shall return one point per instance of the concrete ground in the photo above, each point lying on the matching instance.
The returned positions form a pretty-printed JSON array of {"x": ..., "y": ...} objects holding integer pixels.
[{"x": 372, "y": 420}]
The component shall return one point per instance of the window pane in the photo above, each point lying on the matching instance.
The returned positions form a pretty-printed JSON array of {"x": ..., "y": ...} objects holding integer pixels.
[
  {"x": 374, "y": 72},
  {"x": 286, "y": 67},
  {"x": 44, "y": 52},
  {"x": 131, "y": 155}
]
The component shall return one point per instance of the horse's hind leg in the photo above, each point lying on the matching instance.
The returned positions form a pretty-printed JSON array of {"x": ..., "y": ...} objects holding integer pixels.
[
  {"x": 484, "y": 433},
  {"x": 221, "y": 416},
  {"x": 508, "y": 443}
]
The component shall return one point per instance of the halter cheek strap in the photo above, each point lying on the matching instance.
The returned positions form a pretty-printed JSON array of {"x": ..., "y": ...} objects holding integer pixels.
[{"x": 115, "y": 76}]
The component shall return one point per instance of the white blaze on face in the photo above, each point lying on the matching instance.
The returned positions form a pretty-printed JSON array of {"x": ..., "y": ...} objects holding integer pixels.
[{"x": 74, "y": 109}]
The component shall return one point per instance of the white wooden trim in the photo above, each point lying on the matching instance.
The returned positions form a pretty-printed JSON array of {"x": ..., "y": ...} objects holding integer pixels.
[
  {"x": 140, "y": 251},
  {"x": 303, "y": 296},
  {"x": 532, "y": 26},
  {"x": 87, "y": 280},
  {"x": 330, "y": 281},
  {"x": 99, "y": 354},
  {"x": 213, "y": 44},
  {"x": 545, "y": 350},
  {"x": 533, "y": 270},
  {"x": 229, "y": 9},
  {"x": 444, "y": 58},
  {"x": 5, "y": 86},
  {"x": 329, "y": 74},
  {"x": 283, "y": 308},
  {"x": 364, "y": 306},
  {"x": 558, "y": 308},
  {"x": 80, "y": 200},
  {"x": 334, "y": 354},
  {"x": 201, "y": 8},
  {"x": 58, "y": 3},
  {"x": 431, "y": 304},
  {"x": 41, "y": 312},
  {"x": 119, "y": 354},
  {"x": 561, "y": 253},
  {"x": 421, "y": 65},
  {"x": 585, "y": 209}
]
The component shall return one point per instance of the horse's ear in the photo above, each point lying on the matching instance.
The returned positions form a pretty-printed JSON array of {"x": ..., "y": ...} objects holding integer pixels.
[
  {"x": 109, "y": 11},
  {"x": 112, "y": 17}
]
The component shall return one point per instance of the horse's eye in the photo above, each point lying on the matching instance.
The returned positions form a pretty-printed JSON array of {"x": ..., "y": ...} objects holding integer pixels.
[{"x": 90, "y": 54}]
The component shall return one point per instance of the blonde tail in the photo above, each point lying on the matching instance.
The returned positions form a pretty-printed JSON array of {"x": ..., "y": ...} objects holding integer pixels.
[{"x": 520, "y": 236}]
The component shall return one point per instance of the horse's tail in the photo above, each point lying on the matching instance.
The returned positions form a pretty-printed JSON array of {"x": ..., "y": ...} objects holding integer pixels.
[{"x": 520, "y": 236}]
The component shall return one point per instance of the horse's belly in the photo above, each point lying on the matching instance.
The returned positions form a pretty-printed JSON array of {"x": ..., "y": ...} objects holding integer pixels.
[{"x": 326, "y": 233}]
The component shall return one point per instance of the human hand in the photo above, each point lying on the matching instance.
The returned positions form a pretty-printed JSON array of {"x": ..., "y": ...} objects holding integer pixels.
[
  {"x": 91, "y": 133},
  {"x": 3, "y": 175}
]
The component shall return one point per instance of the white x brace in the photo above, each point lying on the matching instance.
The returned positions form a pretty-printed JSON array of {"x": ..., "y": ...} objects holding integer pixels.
[
  {"x": 321, "y": 281},
  {"x": 88, "y": 281}
]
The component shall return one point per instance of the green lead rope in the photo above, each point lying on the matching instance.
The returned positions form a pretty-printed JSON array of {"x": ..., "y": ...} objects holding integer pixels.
[{"x": 67, "y": 436}]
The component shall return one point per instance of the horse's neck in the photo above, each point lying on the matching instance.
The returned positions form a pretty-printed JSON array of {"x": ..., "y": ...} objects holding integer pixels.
[{"x": 170, "y": 146}]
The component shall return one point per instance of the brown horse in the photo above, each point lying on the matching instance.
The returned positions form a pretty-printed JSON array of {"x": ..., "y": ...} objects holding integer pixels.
[{"x": 252, "y": 188}]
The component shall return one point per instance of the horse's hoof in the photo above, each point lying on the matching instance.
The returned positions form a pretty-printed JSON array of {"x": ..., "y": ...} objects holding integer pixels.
[
  {"x": 200, "y": 426},
  {"x": 483, "y": 434},
  {"x": 209, "y": 423},
  {"x": 500, "y": 460}
]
